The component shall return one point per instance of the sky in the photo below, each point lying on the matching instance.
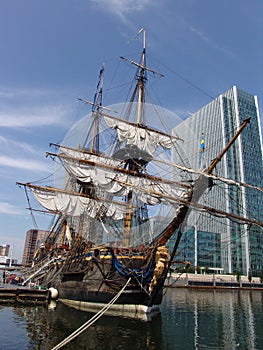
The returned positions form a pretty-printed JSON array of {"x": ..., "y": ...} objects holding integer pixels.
[{"x": 52, "y": 51}]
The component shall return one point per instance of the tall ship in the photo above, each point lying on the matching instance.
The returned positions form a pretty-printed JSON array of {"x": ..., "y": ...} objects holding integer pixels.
[{"x": 118, "y": 202}]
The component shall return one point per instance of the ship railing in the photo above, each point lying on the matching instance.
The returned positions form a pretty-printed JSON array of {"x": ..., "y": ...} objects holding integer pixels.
[{"x": 34, "y": 271}]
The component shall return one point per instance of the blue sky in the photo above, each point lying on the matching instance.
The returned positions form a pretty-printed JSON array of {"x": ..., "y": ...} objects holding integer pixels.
[{"x": 51, "y": 53}]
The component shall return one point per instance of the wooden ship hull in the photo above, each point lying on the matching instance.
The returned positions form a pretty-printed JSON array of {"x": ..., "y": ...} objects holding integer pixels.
[{"x": 91, "y": 280}]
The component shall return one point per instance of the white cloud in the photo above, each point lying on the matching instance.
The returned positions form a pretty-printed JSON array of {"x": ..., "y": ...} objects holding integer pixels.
[
  {"x": 6, "y": 208},
  {"x": 9, "y": 144},
  {"x": 10, "y": 147},
  {"x": 122, "y": 8},
  {"x": 14, "y": 93},
  {"x": 205, "y": 38},
  {"x": 30, "y": 107},
  {"x": 25, "y": 164},
  {"x": 32, "y": 117}
]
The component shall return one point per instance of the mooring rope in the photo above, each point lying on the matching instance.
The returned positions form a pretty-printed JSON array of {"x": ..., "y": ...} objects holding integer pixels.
[{"x": 92, "y": 320}]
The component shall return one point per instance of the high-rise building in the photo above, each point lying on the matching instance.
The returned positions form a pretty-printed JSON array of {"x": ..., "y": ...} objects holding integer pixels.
[
  {"x": 34, "y": 238},
  {"x": 205, "y": 134}
]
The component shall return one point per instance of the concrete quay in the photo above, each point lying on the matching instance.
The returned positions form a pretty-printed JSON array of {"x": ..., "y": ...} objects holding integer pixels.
[{"x": 211, "y": 281}]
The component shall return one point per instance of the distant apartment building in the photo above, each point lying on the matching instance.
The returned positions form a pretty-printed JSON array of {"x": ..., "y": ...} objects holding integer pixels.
[
  {"x": 5, "y": 260},
  {"x": 206, "y": 133},
  {"x": 34, "y": 238},
  {"x": 4, "y": 250}
]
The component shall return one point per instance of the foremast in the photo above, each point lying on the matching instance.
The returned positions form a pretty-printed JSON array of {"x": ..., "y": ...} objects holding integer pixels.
[{"x": 96, "y": 109}]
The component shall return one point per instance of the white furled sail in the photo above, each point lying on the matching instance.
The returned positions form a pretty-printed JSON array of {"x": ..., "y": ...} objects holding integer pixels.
[
  {"x": 76, "y": 205},
  {"x": 111, "y": 179},
  {"x": 84, "y": 155},
  {"x": 136, "y": 135}
]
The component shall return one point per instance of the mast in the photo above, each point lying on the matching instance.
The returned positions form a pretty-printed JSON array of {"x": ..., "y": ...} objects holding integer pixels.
[
  {"x": 137, "y": 163},
  {"x": 200, "y": 186},
  {"x": 132, "y": 164},
  {"x": 230, "y": 143},
  {"x": 96, "y": 105},
  {"x": 141, "y": 77},
  {"x": 141, "y": 80}
]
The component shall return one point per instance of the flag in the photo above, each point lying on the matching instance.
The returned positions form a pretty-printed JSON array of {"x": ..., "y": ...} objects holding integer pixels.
[
  {"x": 202, "y": 143},
  {"x": 202, "y": 149}
]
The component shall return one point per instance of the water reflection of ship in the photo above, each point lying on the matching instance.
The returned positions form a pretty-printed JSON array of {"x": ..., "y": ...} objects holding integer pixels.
[
  {"x": 216, "y": 319},
  {"x": 46, "y": 328},
  {"x": 190, "y": 319}
]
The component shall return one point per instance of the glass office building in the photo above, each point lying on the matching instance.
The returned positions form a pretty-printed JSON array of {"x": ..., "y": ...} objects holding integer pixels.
[{"x": 205, "y": 134}]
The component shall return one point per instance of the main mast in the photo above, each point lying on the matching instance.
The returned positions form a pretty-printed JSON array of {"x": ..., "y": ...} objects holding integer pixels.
[
  {"x": 138, "y": 158},
  {"x": 141, "y": 80},
  {"x": 135, "y": 164},
  {"x": 132, "y": 164}
]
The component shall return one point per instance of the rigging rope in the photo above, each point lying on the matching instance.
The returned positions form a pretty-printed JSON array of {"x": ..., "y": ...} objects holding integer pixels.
[
  {"x": 30, "y": 208},
  {"x": 92, "y": 320}
]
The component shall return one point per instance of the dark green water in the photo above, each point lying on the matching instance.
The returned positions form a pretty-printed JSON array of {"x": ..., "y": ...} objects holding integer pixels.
[{"x": 189, "y": 319}]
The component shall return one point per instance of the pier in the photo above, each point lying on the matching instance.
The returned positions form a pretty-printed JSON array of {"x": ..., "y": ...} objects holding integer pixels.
[
  {"x": 24, "y": 295},
  {"x": 212, "y": 281}
]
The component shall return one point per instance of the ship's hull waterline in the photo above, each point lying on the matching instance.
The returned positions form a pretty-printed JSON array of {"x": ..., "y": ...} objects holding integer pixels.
[
  {"x": 98, "y": 279},
  {"x": 137, "y": 311}
]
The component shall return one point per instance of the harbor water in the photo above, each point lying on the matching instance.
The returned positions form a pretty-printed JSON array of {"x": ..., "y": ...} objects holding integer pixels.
[{"x": 189, "y": 319}]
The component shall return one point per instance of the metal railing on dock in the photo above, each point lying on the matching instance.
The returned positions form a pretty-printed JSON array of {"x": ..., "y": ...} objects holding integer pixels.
[{"x": 212, "y": 281}]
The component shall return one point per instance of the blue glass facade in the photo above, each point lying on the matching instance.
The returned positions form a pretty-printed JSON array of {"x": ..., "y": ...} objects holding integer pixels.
[
  {"x": 241, "y": 246},
  {"x": 203, "y": 252}
]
